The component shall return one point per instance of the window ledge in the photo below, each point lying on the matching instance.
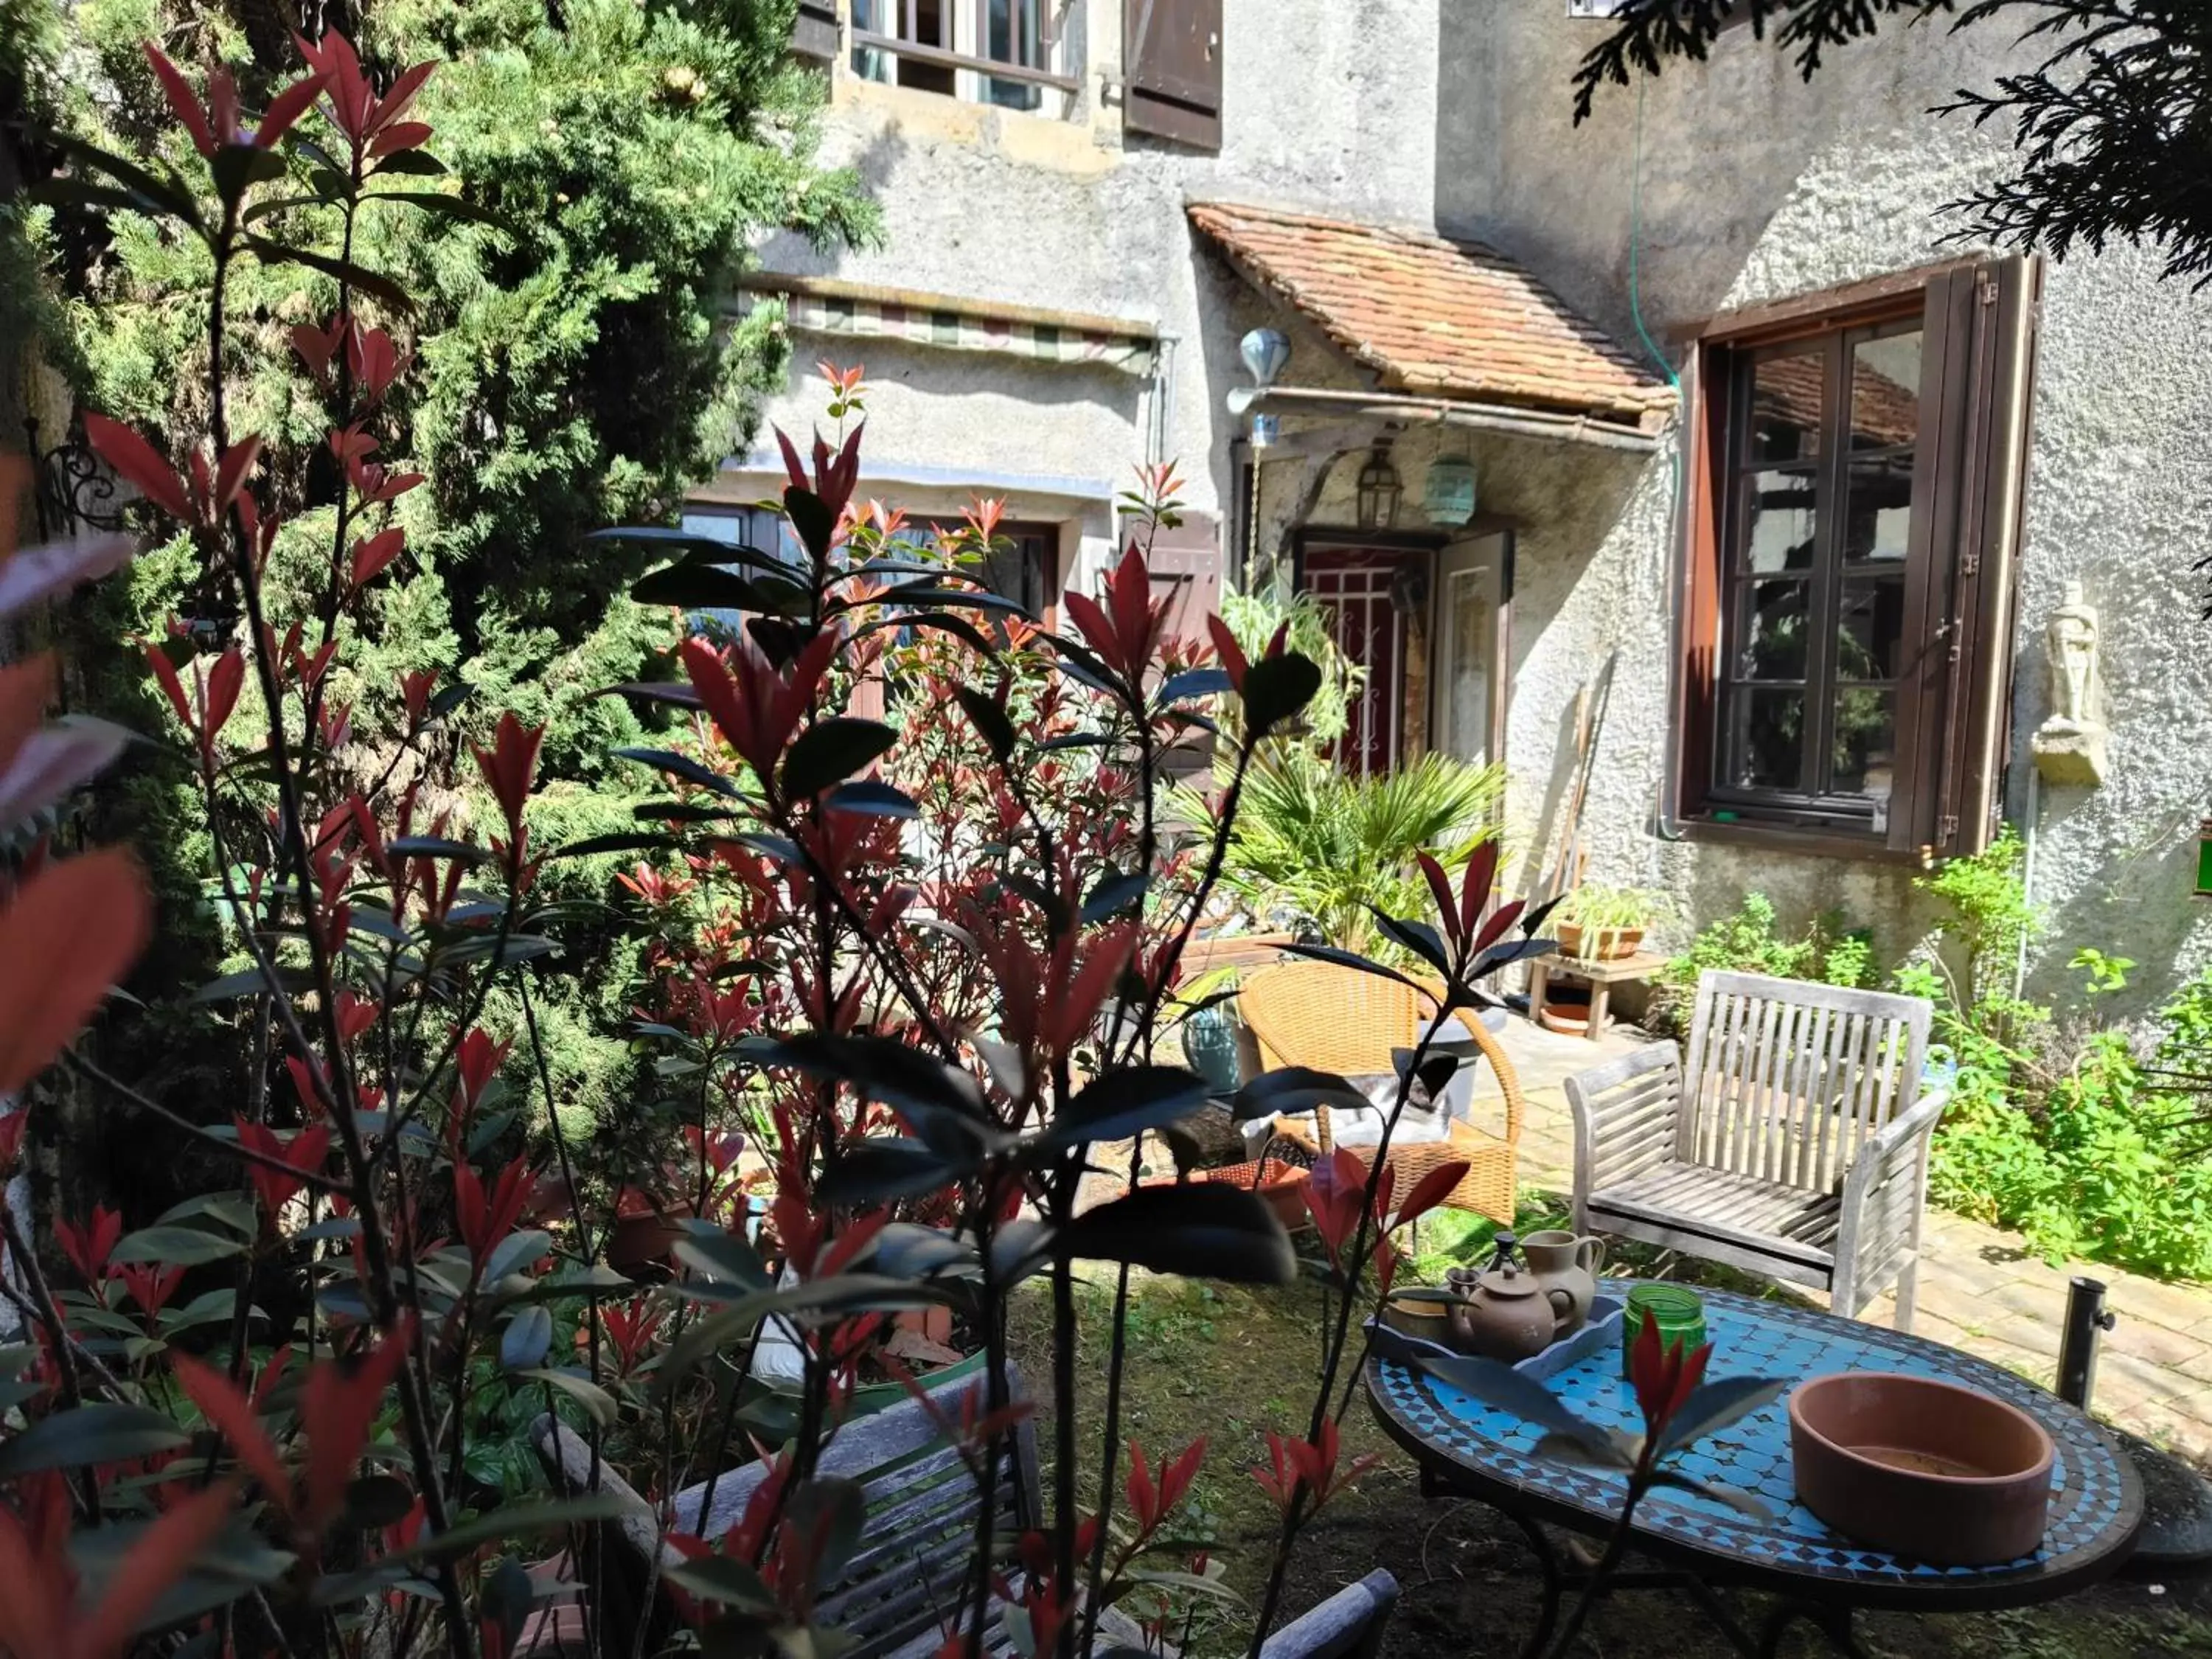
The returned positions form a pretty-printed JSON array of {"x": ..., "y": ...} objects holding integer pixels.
[{"x": 1811, "y": 843}]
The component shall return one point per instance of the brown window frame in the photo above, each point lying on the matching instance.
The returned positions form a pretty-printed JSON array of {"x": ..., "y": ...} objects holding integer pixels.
[
  {"x": 902, "y": 31},
  {"x": 1977, "y": 321}
]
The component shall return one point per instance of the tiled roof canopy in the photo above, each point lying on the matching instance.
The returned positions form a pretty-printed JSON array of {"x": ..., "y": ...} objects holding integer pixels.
[{"x": 1433, "y": 316}]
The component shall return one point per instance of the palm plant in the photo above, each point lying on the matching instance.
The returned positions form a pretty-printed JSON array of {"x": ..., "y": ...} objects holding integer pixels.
[{"x": 1316, "y": 846}]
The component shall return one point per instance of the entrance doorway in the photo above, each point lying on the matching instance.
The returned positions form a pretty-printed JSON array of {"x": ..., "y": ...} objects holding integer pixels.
[{"x": 1369, "y": 595}]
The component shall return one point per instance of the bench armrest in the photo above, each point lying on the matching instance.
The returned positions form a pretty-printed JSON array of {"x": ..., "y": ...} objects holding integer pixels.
[
  {"x": 1628, "y": 1114},
  {"x": 1884, "y": 1193}
]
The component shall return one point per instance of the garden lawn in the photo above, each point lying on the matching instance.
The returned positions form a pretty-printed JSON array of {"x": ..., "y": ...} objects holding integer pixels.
[{"x": 1232, "y": 1364}]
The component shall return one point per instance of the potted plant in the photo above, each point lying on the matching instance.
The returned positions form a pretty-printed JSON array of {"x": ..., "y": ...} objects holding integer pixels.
[{"x": 1598, "y": 923}]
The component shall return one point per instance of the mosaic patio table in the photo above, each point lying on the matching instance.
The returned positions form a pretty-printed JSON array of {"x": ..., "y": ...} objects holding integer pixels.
[{"x": 1468, "y": 1448}]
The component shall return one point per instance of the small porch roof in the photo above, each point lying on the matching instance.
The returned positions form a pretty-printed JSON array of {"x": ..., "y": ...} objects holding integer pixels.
[{"x": 1433, "y": 316}]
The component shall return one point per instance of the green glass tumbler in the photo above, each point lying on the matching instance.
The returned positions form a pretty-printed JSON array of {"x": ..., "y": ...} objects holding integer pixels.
[{"x": 1677, "y": 1313}]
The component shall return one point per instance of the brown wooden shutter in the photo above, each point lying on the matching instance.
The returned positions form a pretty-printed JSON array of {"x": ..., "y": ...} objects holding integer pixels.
[
  {"x": 1970, "y": 478},
  {"x": 814, "y": 31},
  {"x": 1186, "y": 566},
  {"x": 1171, "y": 55}
]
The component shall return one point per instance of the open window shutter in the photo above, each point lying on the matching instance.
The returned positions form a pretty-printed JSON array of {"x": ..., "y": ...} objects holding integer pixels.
[
  {"x": 1977, "y": 385},
  {"x": 1186, "y": 565},
  {"x": 814, "y": 32},
  {"x": 1171, "y": 51}
]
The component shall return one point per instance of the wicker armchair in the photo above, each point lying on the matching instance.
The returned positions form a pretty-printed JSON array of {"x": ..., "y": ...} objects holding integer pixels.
[{"x": 1339, "y": 1019}]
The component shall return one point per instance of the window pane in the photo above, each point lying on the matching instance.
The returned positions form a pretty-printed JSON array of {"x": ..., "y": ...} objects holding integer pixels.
[
  {"x": 1878, "y": 520},
  {"x": 1870, "y": 630},
  {"x": 1780, "y": 523},
  {"x": 1860, "y": 757},
  {"x": 1885, "y": 392},
  {"x": 1011, "y": 36},
  {"x": 1785, "y": 408},
  {"x": 1772, "y": 629},
  {"x": 1770, "y": 739}
]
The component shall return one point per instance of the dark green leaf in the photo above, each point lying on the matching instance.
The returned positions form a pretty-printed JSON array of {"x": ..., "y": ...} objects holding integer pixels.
[
  {"x": 375, "y": 1501},
  {"x": 1276, "y": 689},
  {"x": 419, "y": 162},
  {"x": 367, "y": 282},
  {"x": 1509, "y": 1391},
  {"x": 1716, "y": 1405},
  {"x": 778, "y": 849},
  {"x": 251, "y": 982},
  {"x": 1203, "y": 1230},
  {"x": 177, "y": 1246},
  {"x": 1294, "y": 1089},
  {"x": 724, "y": 1580},
  {"x": 434, "y": 847},
  {"x": 528, "y": 1336},
  {"x": 990, "y": 719},
  {"x": 1744, "y": 1501},
  {"x": 933, "y": 596},
  {"x": 1348, "y": 959},
  {"x": 682, "y": 766},
  {"x": 1114, "y": 893},
  {"x": 889, "y": 1071},
  {"x": 883, "y": 1168},
  {"x": 99, "y": 1432},
  {"x": 813, "y": 1302},
  {"x": 159, "y": 196},
  {"x": 677, "y": 693},
  {"x": 724, "y": 1257},
  {"x": 238, "y": 167},
  {"x": 812, "y": 518},
  {"x": 600, "y": 846},
  {"x": 831, "y": 750},
  {"x": 578, "y": 1387},
  {"x": 944, "y": 621},
  {"x": 514, "y": 1252},
  {"x": 830, "y": 1511},
  {"x": 690, "y": 586},
  {"x": 516, "y": 1521},
  {"x": 1117, "y": 1104},
  {"x": 453, "y": 207},
  {"x": 1416, "y": 937},
  {"x": 871, "y": 799},
  {"x": 1192, "y": 683},
  {"x": 449, "y": 699}
]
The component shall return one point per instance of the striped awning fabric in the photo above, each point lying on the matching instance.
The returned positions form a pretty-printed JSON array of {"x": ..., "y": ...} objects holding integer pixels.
[{"x": 823, "y": 306}]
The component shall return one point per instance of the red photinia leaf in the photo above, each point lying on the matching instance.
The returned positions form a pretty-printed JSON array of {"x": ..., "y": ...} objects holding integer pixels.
[
  {"x": 1476, "y": 884},
  {"x": 232, "y": 1416},
  {"x": 231, "y": 473},
  {"x": 304, "y": 1151},
  {"x": 75, "y": 926},
  {"x": 1334, "y": 1195},
  {"x": 337, "y": 1410},
  {"x": 285, "y": 108},
  {"x": 150, "y": 1286},
  {"x": 183, "y": 102},
  {"x": 1430, "y": 1190},
  {"x": 373, "y": 553},
  {"x": 173, "y": 686},
  {"x": 163, "y": 1553},
  {"x": 1505, "y": 915},
  {"x": 37, "y": 1587},
  {"x": 401, "y": 135},
  {"x": 1144, "y": 1497},
  {"x": 1448, "y": 916},
  {"x": 405, "y": 86},
  {"x": 139, "y": 463},
  {"x": 510, "y": 765},
  {"x": 89, "y": 1247},
  {"x": 1231, "y": 653},
  {"x": 221, "y": 696}
]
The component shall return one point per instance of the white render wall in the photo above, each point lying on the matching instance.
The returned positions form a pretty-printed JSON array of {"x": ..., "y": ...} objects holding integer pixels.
[
  {"x": 1756, "y": 187},
  {"x": 1327, "y": 107}
]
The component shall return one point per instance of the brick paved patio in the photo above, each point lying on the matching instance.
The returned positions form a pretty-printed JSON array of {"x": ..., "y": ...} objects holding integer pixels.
[{"x": 1980, "y": 1288}]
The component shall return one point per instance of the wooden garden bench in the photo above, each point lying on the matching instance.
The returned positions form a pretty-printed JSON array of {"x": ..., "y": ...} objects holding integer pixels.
[
  {"x": 1792, "y": 1140},
  {"x": 911, "y": 1569}
]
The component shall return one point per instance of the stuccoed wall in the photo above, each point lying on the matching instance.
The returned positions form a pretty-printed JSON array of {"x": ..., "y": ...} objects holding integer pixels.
[
  {"x": 1755, "y": 187},
  {"x": 1323, "y": 110}
]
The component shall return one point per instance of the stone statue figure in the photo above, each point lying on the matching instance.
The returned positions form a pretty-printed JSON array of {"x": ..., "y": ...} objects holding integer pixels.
[
  {"x": 2069, "y": 745},
  {"x": 2070, "y": 640}
]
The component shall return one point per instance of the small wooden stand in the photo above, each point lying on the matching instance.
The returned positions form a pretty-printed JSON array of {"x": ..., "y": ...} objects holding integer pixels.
[{"x": 1602, "y": 978}]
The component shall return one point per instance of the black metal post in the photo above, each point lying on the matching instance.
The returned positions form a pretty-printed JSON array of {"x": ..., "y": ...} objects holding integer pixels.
[{"x": 2086, "y": 1317}]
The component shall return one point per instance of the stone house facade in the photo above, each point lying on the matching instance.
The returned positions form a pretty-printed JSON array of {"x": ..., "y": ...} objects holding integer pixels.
[{"x": 1766, "y": 464}]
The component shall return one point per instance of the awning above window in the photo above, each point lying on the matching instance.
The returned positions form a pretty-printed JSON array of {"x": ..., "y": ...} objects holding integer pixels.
[
  {"x": 1429, "y": 315},
  {"x": 828, "y": 306}
]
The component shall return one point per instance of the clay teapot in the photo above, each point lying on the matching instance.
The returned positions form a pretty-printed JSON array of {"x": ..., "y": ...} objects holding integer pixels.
[
  {"x": 1566, "y": 1266},
  {"x": 1506, "y": 1316}
]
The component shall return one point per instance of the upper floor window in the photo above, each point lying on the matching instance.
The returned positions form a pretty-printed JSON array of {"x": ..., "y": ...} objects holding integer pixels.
[
  {"x": 1854, "y": 509},
  {"x": 1007, "y": 52}
]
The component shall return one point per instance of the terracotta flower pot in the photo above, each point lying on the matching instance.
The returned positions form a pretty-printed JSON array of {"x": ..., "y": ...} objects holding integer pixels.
[
  {"x": 1600, "y": 945},
  {"x": 1567, "y": 1018},
  {"x": 1931, "y": 1470},
  {"x": 644, "y": 1231}
]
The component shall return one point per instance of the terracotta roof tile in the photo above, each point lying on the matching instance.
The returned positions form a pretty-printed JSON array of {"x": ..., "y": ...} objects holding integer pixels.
[{"x": 1436, "y": 316}]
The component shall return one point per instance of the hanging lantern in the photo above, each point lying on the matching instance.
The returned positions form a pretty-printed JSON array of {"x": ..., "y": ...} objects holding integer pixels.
[
  {"x": 1447, "y": 491},
  {"x": 1379, "y": 490},
  {"x": 2204, "y": 860}
]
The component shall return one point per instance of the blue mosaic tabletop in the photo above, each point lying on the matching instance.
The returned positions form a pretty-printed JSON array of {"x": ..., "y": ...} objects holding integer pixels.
[{"x": 2096, "y": 1500}]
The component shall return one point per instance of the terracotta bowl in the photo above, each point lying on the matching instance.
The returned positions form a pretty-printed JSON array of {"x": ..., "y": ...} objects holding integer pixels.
[{"x": 1931, "y": 1470}]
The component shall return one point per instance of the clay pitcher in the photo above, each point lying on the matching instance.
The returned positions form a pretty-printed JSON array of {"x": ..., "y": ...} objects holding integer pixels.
[
  {"x": 1566, "y": 1266},
  {"x": 1506, "y": 1317}
]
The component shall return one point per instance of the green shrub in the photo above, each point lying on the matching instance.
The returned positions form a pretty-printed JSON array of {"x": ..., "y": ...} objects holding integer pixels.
[{"x": 1750, "y": 941}]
